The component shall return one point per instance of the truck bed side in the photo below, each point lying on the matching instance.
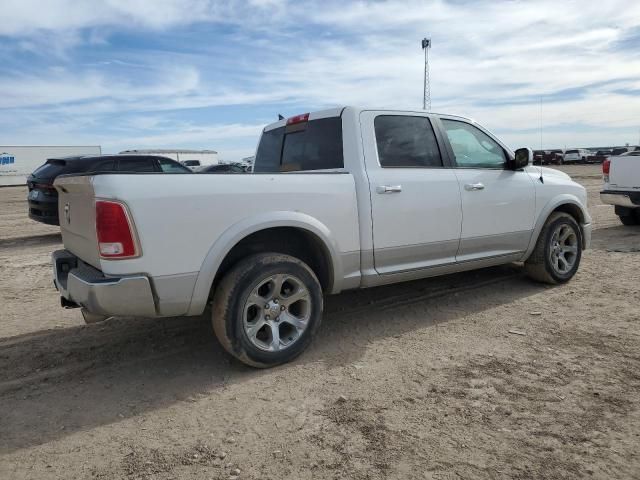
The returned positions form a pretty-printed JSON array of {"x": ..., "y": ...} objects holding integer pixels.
[{"x": 186, "y": 224}]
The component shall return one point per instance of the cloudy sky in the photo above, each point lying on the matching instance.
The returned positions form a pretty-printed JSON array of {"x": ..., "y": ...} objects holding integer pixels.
[{"x": 210, "y": 74}]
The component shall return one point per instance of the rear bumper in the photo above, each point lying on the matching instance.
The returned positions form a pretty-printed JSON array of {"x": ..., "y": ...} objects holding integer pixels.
[
  {"x": 622, "y": 199},
  {"x": 89, "y": 288},
  {"x": 45, "y": 211}
]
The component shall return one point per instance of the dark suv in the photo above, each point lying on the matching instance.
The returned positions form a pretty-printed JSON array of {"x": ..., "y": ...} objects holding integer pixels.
[{"x": 43, "y": 197}]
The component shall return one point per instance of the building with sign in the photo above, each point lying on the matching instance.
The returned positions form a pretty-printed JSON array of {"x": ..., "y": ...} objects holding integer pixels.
[{"x": 18, "y": 161}]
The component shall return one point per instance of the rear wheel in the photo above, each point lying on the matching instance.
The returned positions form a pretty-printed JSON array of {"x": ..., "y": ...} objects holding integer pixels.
[
  {"x": 558, "y": 251},
  {"x": 267, "y": 309},
  {"x": 632, "y": 219}
]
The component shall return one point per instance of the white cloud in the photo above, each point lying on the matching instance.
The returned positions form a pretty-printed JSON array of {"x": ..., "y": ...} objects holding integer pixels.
[{"x": 490, "y": 60}]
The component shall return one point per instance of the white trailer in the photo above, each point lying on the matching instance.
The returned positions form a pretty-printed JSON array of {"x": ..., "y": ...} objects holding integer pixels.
[
  {"x": 203, "y": 157},
  {"x": 18, "y": 161}
]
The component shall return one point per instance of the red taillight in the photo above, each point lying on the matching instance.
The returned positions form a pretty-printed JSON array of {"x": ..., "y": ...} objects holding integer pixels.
[
  {"x": 606, "y": 167},
  {"x": 113, "y": 228},
  {"x": 304, "y": 117}
]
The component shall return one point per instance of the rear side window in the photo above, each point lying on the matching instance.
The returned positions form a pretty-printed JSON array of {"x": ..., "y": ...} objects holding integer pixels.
[
  {"x": 406, "y": 141},
  {"x": 140, "y": 164},
  {"x": 169, "y": 166},
  {"x": 313, "y": 145},
  {"x": 102, "y": 166}
]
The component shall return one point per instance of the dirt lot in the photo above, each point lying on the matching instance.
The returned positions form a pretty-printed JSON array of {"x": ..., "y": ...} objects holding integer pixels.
[{"x": 418, "y": 380}]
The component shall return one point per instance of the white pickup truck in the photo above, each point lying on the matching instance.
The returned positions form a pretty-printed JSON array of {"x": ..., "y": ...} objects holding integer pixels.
[
  {"x": 339, "y": 199},
  {"x": 622, "y": 186}
]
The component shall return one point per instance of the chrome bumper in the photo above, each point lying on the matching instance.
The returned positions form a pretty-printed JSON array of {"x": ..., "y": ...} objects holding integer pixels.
[
  {"x": 89, "y": 288},
  {"x": 620, "y": 199}
]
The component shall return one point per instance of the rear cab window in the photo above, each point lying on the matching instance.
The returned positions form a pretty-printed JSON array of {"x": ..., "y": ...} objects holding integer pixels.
[{"x": 303, "y": 146}]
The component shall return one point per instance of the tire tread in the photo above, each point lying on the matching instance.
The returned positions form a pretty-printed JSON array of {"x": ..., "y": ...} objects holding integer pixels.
[
  {"x": 231, "y": 286},
  {"x": 536, "y": 266}
]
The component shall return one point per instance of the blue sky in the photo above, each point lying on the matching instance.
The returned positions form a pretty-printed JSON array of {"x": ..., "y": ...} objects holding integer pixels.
[{"x": 210, "y": 74}]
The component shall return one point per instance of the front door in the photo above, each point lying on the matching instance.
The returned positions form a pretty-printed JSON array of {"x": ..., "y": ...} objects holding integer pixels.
[
  {"x": 415, "y": 198},
  {"x": 498, "y": 204}
]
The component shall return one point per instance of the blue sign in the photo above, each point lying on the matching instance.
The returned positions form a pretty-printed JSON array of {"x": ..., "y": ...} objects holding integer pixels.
[{"x": 7, "y": 159}]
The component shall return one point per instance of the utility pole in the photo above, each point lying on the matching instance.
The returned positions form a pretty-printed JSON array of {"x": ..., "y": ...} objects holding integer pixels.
[{"x": 426, "y": 98}]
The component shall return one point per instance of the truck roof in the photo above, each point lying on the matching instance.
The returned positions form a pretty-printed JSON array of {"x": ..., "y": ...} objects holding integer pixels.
[{"x": 337, "y": 111}]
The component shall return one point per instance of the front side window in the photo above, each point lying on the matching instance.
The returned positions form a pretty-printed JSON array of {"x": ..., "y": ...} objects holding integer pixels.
[
  {"x": 472, "y": 147},
  {"x": 406, "y": 141}
]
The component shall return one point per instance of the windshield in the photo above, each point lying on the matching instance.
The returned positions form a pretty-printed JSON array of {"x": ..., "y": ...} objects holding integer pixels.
[
  {"x": 57, "y": 166},
  {"x": 568, "y": 152}
]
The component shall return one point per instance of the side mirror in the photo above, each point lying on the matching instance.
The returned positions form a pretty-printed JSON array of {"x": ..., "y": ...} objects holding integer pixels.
[{"x": 523, "y": 157}]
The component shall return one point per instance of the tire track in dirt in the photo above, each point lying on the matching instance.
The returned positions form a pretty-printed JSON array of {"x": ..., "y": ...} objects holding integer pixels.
[{"x": 59, "y": 354}]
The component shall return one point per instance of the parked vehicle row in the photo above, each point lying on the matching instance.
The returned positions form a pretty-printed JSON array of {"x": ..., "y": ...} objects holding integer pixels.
[
  {"x": 340, "y": 199},
  {"x": 548, "y": 157}
]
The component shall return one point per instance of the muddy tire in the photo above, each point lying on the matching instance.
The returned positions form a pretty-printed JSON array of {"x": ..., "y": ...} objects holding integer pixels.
[
  {"x": 558, "y": 251},
  {"x": 267, "y": 309}
]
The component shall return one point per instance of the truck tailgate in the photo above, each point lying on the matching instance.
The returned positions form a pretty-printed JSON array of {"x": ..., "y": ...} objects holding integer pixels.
[
  {"x": 624, "y": 173},
  {"x": 76, "y": 207}
]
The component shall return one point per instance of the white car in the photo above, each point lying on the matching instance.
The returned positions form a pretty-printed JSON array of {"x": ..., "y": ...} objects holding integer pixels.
[
  {"x": 577, "y": 155},
  {"x": 622, "y": 186},
  {"x": 194, "y": 165},
  {"x": 339, "y": 199}
]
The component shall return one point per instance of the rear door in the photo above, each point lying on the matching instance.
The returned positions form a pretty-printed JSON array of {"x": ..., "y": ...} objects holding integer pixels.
[
  {"x": 415, "y": 199},
  {"x": 498, "y": 204}
]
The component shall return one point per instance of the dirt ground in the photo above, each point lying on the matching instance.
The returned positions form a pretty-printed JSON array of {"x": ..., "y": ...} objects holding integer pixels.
[{"x": 417, "y": 380}]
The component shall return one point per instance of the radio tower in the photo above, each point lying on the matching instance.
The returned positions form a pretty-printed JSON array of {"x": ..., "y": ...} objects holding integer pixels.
[{"x": 426, "y": 99}]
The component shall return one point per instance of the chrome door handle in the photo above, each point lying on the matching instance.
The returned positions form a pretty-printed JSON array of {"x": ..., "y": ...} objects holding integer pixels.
[
  {"x": 389, "y": 188},
  {"x": 474, "y": 186}
]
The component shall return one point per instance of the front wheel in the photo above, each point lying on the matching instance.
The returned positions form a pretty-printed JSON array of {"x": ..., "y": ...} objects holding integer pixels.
[
  {"x": 267, "y": 309},
  {"x": 558, "y": 251}
]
